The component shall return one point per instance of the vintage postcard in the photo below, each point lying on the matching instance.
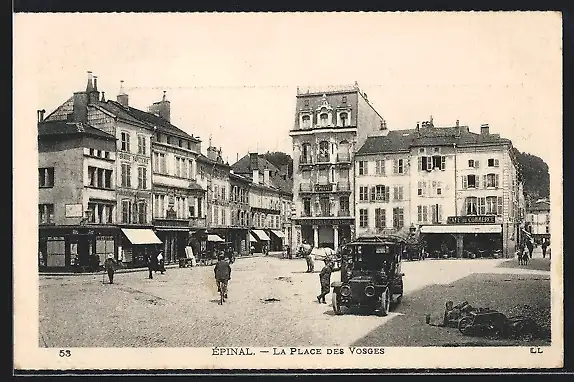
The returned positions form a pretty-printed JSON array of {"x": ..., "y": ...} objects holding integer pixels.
[{"x": 273, "y": 191}]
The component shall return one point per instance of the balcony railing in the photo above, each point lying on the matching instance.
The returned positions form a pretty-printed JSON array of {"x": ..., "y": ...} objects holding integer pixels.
[
  {"x": 343, "y": 157},
  {"x": 344, "y": 213},
  {"x": 323, "y": 158},
  {"x": 306, "y": 187},
  {"x": 304, "y": 160}
]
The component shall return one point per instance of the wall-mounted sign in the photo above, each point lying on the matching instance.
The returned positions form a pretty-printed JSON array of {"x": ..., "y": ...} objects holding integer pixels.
[
  {"x": 323, "y": 187},
  {"x": 74, "y": 211},
  {"x": 486, "y": 219}
]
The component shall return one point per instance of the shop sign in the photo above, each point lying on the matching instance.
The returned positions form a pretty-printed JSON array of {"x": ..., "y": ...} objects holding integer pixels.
[
  {"x": 323, "y": 187},
  {"x": 486, "y": 219}
]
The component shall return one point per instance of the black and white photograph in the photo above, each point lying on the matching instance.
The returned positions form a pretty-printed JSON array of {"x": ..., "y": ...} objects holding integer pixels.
[{"x": 288, "y": 190}]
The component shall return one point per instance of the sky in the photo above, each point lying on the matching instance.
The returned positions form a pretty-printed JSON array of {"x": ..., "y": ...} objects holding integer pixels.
[{"x": 234, "y": 77}]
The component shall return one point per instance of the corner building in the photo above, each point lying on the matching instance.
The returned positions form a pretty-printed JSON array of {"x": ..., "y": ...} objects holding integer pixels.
[
  {"x": 462, "y": 191},
  {"x": 330, "y": 125}
]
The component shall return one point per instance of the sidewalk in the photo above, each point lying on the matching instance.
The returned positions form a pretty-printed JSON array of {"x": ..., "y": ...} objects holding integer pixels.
[{"x": 145, "y": 269}]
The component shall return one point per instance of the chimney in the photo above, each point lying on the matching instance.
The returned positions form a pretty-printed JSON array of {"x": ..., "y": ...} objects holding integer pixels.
[
  {"x": 457, "y": 123},
  {"x": 80, "y": 108},
  {"x": 94, "y": 94},
  {"x": 484, "y": 130},
  {"x": 122, "y": 97},
  {"x": 90, "y": 85},
  {"x": 41, "y": 115},
  {"x": 253, "y": 161},
  {"x": 255, "y": 175},
  {"x": 212, "y": 153},
  {"x": 266, "y": 177},
  {"x": 103, "y": 97}
]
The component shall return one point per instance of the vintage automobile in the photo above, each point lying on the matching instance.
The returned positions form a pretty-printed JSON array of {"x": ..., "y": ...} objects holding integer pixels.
[{"x": 371, "y": 274}]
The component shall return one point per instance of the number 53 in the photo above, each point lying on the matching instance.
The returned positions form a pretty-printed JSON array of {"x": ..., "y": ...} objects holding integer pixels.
[{"x": 65, "y": 353}]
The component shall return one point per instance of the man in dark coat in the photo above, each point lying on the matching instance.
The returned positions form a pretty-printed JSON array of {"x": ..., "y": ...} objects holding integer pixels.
[
  {"x": 222, "y": 274},
  {"x": 151, "y": 264},
  {"x": 325, "y": 280}
]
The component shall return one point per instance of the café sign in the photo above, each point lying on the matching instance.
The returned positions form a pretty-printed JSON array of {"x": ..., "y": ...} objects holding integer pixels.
[{"x": 486, "y": 219}]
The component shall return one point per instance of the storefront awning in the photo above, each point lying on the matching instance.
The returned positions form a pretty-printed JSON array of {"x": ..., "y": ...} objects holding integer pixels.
[
  {"x": 213, "y": 237},
  {"x": 261, "y": 235},
  {"x": 141, "y": 236},
  {"x": 279, "y": 234},
  {"x": 252, "y": 239},
  {"x": 462, "y": 228}
]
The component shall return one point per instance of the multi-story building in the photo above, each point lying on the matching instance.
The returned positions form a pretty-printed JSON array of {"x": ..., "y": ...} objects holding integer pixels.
[
  {"x": 330, "y": 125},
  {"x": 176, "y": 194},
  {"x": 538, "y": 220},
  {"x": 77, "y": 201},
  {"x": 462, "y": 190},
  {"x": 240, "y": 212},
  {"x": 213, "y": 176},
  {"x": 269, "y": 200}
]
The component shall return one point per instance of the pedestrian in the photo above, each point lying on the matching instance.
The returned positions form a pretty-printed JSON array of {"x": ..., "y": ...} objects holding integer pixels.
[
  {"x": 544, "y": 246},
  {"x": 305, "y": 250},
  {"x": 325, "y": 280},
  {"x": 312, "y": 262},
  {"x": 530, "y": 247},
  {"x": 110, "y": 266},
  {"x": 160, "y": 262},
  {"x": 151, "y": 264}
]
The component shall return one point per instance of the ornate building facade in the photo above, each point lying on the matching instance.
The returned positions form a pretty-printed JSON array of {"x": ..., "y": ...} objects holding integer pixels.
[{"x": 330, "y": 125}]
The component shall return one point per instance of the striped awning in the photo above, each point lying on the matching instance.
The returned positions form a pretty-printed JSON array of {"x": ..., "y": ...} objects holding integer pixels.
[
  {"x": 252, "y": 239},
  {"x": 261, "y": 235},
  {"x": 277, "y": 233}
]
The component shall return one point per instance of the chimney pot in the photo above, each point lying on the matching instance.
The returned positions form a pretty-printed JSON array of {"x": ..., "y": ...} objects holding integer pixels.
[
  {"x": 103, "y": 96},
  {"x": 457, "y": 123},
  {"x": 484, "y": 129},
  {"x": 90, "y": 85},
  {"x": 95, "y": 83}
]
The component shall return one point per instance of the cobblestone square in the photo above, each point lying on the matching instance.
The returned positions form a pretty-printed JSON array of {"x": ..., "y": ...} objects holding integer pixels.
[{"x": 180, "y": 308}]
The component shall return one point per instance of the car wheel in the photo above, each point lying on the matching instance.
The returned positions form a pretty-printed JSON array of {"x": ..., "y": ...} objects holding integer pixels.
[
  {"x": 385, "y": 302},
  {"x": 464, "y": 325},
  {"x": 336, "y": 307}
]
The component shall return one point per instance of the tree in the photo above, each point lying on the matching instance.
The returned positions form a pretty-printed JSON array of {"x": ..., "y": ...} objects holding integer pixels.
[
  {"x": 279, "y": 159},
  {"x": 535, "y": 176}
]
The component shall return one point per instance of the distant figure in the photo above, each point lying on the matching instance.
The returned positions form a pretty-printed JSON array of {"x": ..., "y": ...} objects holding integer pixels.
[
  {"x": 160, "y": 263},
  {"x": 530, "y": 247},
  {"x": 151, "y": 264},
  {"x": 311, "y": 262},
  {"x": 544, "y": 247},
  {"x": 305, "y": 250},
  {"x": 325, "y": 280},
  {"x": 110, "y": 266}
]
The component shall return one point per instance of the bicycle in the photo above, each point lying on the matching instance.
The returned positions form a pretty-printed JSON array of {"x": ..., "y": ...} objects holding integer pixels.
[{"x": 222, "y": 286}]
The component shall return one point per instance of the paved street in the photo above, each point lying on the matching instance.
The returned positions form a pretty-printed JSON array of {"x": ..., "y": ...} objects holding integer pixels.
[{"x": 180, "y": 308}]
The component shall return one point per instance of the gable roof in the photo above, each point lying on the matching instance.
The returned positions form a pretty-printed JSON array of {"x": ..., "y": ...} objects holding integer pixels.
[
  {"x": 403, "y": 140},
  {"x": 62, "y": 111},
  {"x": 162, "y": 125},
  {"x": 57, "y": 128},
  {"x": 242, "y": 167}
]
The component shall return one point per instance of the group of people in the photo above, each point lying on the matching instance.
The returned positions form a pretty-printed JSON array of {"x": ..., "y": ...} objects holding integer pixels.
[{"x": 155, "y": 263}]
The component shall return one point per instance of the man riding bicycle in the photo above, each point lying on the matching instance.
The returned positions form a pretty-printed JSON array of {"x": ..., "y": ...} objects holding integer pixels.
[{"x": 222, "y": 274}]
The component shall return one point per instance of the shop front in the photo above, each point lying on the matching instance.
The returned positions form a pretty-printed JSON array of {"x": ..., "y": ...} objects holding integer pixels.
[
  {"x": 76, "y": 248},
  {"x": 136, "y": 244},
  {"x": 262, "y": 243},
  {"x": 464, "y": 237},
  {"x": 277, "y": 240},
  {"x": 329, "y": 233}
]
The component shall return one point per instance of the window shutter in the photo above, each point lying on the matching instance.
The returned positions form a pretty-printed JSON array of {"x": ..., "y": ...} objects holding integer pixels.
[
  {"x": 439, "y": 212},
  {"x": 373, "y": 190},
  {"x": 387, "y": 192},
  {"x": 464, "y": 182},
  {"x": 419, "y": 213},
  {"x": 496, "y": 181},
  {"x": 433, "y": 213},
  {"x": 442, "y": 162},
  {"x": 395, "y": 166},
  {"x": 476, "y": 164},
  {"x": 477, "y": 182},
  {"x": 420, "y": 163},
  {"x": 496, "y": 163},
  {"x": 500, "y": 204},
  {"x": 429, "y": 163}
]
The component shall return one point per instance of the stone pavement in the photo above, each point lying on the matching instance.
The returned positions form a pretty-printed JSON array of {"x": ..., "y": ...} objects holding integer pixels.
[{"x": 180, "y": 308}]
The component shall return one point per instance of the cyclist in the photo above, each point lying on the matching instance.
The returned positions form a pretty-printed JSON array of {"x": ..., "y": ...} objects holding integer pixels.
[{"x": 222, "y": 274}]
